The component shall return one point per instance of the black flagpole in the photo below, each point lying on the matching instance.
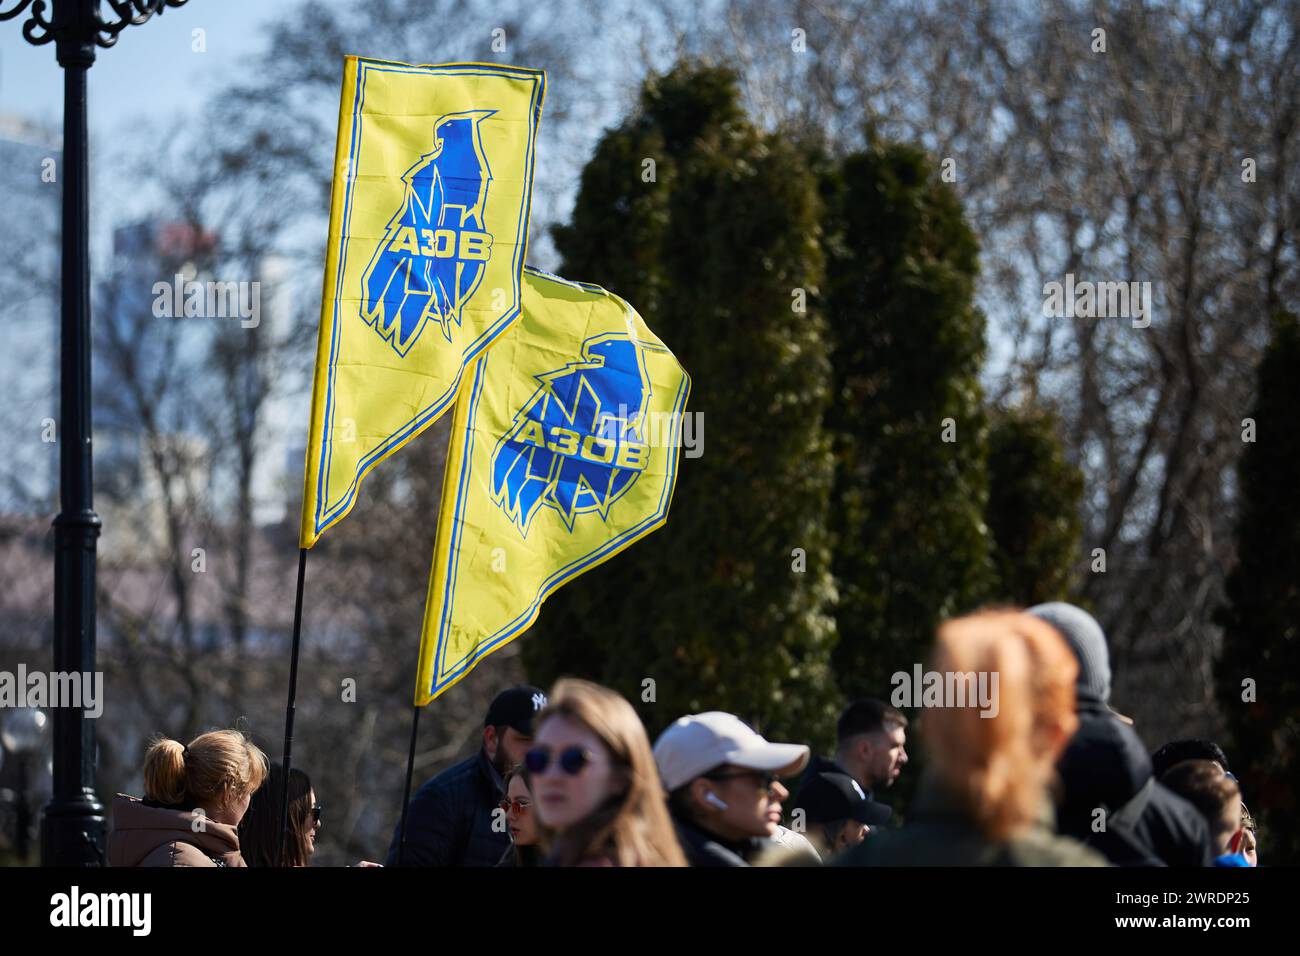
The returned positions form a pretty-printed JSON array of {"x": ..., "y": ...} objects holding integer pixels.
[
  {"x": 406, "y": 794},
  {"x": 288, "y": 712}
]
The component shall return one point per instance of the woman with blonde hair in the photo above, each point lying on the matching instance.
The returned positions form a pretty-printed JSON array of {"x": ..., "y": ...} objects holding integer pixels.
[
  {"x": 595, "y": 787},
  {"x": 986, "y": 797},
  {"x": 194, "y": 799}
]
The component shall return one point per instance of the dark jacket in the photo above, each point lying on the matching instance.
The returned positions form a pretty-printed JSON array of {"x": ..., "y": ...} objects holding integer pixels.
[
  {"x": 706, "y": 850},
  {"x": 821, "y": 765},
  {"x": 815, "y": 766},
  {"x": 146, "y": 834},
  {"x": 937, "y": 834},
  {"x": 1105, "y": 766},
  {"x": 521, "y": 856},
  {"x": 824, "y": 765},
  {"x": 449, "y": 821}
]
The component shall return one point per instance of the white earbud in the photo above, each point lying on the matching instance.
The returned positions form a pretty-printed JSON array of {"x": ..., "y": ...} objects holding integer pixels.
[{"x": 714, "y": 799}]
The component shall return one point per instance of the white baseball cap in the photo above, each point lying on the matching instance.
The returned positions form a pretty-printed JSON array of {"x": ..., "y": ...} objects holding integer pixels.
[{"x": 697, "y": 743}]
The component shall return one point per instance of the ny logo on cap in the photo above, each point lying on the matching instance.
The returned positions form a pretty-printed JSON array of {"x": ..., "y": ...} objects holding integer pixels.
[{"x": 539, "y": 701}]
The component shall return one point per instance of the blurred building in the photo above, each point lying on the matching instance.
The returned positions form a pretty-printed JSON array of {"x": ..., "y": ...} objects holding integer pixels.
[
  {"x": 148, "y": 255},
  {"x": 31, "y": 164}
]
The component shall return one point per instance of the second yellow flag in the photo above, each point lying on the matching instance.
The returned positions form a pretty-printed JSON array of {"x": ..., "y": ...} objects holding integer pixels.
[{"x": 564, "y": 451}]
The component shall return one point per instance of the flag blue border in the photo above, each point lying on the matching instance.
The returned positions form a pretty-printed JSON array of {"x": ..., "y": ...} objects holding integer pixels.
[
  {"x": 559, "y": 577},
  {"x": 327, "y": 514}
]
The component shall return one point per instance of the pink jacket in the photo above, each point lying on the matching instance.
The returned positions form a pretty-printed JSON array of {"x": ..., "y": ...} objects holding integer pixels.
[{"x": 155, "y": 836}]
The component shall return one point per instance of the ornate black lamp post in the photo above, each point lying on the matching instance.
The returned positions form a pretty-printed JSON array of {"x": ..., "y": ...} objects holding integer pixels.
[{"x": 72, "y": 833}]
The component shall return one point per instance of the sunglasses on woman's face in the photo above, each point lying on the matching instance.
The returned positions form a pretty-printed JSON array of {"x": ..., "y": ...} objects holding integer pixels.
[
  {"x": 520, "y": 805},
  {"x": 765, "y": 781},
  {"x": 571, "y": 760},
  {"x": 315, "y": 813}
]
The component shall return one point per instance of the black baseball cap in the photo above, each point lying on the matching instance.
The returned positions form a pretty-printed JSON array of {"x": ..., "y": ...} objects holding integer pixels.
[
  {"x": 827, "y": 797},
  {"x": 516, "y": 707}
]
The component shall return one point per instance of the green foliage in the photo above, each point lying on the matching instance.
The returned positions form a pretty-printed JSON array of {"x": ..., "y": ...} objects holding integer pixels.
[
  {"x": 824, "y": 309},
  {"x": 1035, "y": 499},
  {"x": 911, "y": 546},
  {"x": 1261, "y": 639},
  {"x": 709, "y": 607}
]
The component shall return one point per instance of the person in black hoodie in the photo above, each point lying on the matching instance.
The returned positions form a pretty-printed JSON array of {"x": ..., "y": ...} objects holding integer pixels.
[
  {"x": 1111, "y": 799},
  {"x": 1188, "y": 748}
]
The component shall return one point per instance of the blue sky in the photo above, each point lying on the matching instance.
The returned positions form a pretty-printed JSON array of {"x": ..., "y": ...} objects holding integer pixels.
[{"x": 152, "y": 69}]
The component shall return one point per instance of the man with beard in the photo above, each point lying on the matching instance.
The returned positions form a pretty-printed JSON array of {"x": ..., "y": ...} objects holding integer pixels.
[
  {"x": 870, "y": 747},
  {"x": 449, "y": 822}
]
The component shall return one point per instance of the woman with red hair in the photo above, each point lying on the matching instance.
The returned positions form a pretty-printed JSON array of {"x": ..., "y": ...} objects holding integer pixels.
[{"x": 985, "y": 799}]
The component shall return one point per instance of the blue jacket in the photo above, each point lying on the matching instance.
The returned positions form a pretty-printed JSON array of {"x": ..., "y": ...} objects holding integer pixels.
[{"x": 449, "y": 821}]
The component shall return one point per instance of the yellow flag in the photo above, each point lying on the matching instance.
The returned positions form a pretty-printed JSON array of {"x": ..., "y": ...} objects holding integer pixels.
[
  {"x": 563, "y": 452},
  {"x": 433, "y": 173}
]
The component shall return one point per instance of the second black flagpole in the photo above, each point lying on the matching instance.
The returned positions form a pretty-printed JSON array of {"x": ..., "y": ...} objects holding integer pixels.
[
  {"x": 406, "y": 794},
  {"x": 289, "y": 708}
]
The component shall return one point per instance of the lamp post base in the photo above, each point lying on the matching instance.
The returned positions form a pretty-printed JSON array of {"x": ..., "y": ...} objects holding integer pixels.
[{"x": 73, "y": 832}]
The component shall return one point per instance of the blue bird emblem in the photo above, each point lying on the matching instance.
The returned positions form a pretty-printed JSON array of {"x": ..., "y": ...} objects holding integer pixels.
[
  {"x": 434, "y": 250},
  {"x": 579, "y": 442}
]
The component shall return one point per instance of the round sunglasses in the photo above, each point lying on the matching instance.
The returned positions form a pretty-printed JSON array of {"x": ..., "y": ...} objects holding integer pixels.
[
  {"x": 766, "y": 781},
  {"x": 571, "y": 760}
]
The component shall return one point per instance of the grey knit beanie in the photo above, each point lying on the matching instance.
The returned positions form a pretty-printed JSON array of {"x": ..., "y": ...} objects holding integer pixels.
[{"x": 1085, "y": 637}]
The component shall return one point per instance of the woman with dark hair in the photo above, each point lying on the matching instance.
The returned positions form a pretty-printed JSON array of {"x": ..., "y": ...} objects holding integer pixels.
[
  {"x": 517, "y": 805},
  {"x": 260, "y": 829}
]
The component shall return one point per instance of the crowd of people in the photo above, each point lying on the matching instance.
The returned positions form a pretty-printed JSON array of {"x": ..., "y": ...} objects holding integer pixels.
[{"x": 1052, "y": 776}]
